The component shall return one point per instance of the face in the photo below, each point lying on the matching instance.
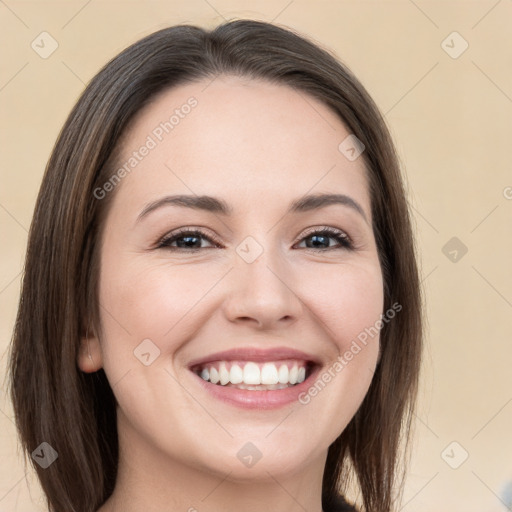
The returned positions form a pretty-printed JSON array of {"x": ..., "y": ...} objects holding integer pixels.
[{"x": 204, "y": 299}]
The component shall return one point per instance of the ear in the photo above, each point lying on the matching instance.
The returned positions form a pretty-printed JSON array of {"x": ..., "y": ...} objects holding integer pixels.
[{"x": 90, "y": 357}]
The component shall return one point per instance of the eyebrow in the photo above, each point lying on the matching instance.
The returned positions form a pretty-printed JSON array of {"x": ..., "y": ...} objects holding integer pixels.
[{"x": 217, "y": 205}]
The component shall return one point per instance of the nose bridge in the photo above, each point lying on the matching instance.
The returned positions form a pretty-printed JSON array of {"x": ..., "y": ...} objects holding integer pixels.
[{"x": 261, "y": 287}]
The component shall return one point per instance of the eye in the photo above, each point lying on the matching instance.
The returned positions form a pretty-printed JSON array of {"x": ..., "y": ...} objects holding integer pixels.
[
  {"x": 187, "y": 239},
  {"x": 190, "y": 240},
  {"x": 322, "y": 236}
]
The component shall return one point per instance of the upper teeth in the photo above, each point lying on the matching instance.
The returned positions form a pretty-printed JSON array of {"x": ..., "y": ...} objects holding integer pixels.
[{"x": 252, "y": 373}]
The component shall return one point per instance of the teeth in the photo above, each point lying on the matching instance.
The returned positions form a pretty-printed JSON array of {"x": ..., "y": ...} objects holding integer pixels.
[
  {"x": 292, "y": 379},
  {"x": 269, "y": 374},
  {"x": 236, "y": 375},
  {"x": 214, "y": 376},
  {"x": 261, "y": 387},
  {"x": 255, "y": 376},
  {"x": 252, "y": 374},
  {"x": 223, "y": 374},
  {"x": 283, "y": 374}
]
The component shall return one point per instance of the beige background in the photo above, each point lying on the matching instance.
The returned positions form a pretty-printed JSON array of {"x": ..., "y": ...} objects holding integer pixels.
[{"x": 452, "y": 121}]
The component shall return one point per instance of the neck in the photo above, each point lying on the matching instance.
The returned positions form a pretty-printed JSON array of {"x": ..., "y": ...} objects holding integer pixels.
[{"x": 148, "y": 481}]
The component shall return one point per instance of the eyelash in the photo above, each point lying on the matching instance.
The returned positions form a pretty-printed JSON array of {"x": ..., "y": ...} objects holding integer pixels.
[{"x": 342, "y": 238}]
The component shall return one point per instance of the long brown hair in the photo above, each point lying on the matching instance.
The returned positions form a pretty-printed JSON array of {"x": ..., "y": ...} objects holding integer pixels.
[{"x": 75, "y": 412}]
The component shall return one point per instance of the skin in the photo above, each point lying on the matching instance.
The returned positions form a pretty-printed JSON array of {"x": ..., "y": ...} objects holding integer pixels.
[{"x": 258, "y": 146}]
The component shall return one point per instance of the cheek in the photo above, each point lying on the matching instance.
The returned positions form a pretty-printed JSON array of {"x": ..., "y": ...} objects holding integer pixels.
[
  {"x": 347, "y": 302},
  {"x": 150, "y": 301},
  {"x": 347, "y": 299}
]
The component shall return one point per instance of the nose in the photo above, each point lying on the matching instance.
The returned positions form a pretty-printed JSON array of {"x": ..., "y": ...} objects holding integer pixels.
[{"x": 263, "y": 293}]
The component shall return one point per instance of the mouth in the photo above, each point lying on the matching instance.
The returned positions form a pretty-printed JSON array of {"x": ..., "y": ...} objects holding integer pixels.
[
  {"x": 251, "y": 378},
  {"x": 255, "y": 376}
]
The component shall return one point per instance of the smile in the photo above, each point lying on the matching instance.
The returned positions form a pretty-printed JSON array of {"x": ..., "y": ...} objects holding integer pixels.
[{"x": 255, "y": 376}]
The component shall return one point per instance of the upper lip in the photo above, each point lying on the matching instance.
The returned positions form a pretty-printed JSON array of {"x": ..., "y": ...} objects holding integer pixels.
[{"x": 256, "y": 354}]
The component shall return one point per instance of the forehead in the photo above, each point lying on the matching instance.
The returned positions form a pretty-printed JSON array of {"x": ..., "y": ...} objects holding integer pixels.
[{"x": 241, "y": 139}]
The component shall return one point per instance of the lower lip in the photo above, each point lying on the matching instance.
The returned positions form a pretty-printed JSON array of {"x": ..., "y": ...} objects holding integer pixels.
[{"x": 247, "y": 399}]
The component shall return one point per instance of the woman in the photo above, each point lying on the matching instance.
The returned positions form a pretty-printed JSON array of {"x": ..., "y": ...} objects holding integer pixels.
[{"x": 274, "y": 367}]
